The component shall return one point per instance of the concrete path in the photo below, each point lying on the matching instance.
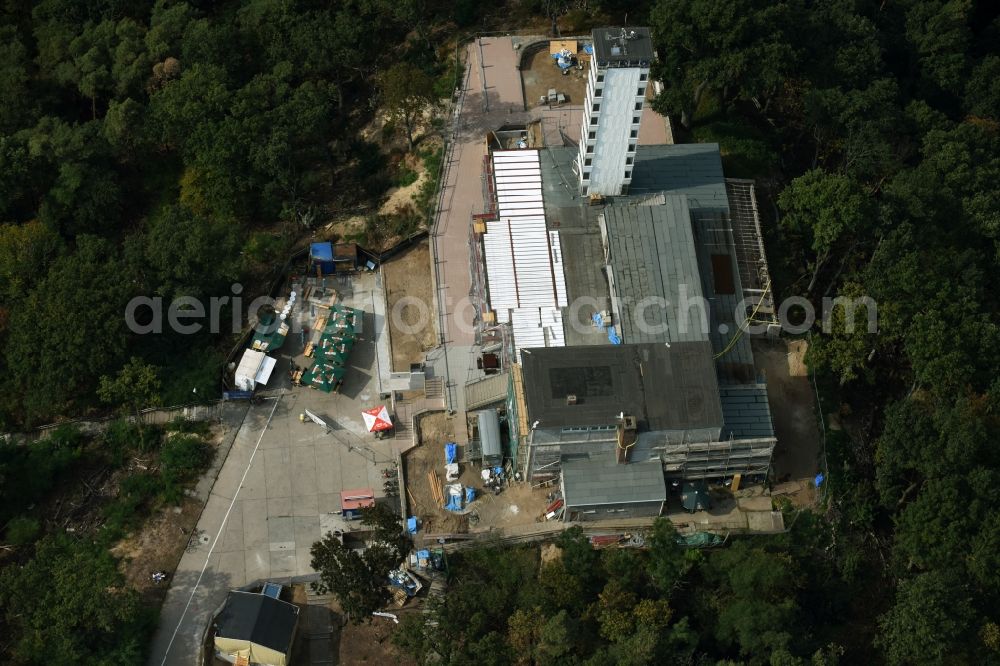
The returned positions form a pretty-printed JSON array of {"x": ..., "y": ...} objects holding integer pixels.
[
  {"x": 492, "y": 83},
  {"x": 654, "y": 129}
]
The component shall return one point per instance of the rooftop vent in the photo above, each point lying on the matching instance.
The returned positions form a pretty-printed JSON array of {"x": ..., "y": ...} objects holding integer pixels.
[{"x": 571, "y": 399}]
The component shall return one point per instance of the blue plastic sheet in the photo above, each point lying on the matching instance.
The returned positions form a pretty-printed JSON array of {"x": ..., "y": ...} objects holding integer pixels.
[
  {"x": 564, "y": 62},
  {"x": 411, "y": 525},
  {"x": 470, "y": 494},
  {"x": 450, "y": 452},
  {"x": 613, "y": 337},
  {"x": 454, "y": 503}
]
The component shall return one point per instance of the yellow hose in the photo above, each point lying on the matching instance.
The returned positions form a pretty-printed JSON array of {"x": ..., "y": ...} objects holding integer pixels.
[{"x": 742, "y": 327}]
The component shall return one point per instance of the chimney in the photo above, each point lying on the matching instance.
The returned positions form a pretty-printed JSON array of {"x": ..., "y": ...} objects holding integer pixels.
[
  {"x": 626, "y": 438},
  {"x": 571, "y": 399}
]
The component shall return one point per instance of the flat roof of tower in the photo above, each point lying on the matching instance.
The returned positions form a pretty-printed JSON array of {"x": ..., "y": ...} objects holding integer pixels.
[{"x": 623, "y": 47}]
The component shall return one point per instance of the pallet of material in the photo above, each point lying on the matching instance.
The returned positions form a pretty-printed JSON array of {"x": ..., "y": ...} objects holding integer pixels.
[{"x": 435, "y": 484}]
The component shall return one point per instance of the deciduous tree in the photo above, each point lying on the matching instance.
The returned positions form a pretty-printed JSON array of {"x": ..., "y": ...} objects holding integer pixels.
[
  {"x": 360, "y": 580},
  {"x": 406, "y": 92}
]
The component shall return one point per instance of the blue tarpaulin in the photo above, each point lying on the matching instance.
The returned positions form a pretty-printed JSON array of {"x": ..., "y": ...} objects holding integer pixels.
[
  {"x": 450, "y": 452},
  {"x": 564, "y": 59},
  {"x": 321, "y": 254},
  {"x": 454, "y": 503},
  {"x": 613, "y": 337},
  {"x": 411, "y": 525},
  {"x": 470, "y": 494}
]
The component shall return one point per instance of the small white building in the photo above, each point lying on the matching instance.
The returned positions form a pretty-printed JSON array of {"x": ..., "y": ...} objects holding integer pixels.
[
  {"x": 616, "y": 95},
  {"x": 255, "y": 369}
]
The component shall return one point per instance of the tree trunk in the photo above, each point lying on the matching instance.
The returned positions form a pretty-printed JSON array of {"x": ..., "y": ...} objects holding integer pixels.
[
  {"x": 820, "y": 261},
  {"x": 687, "y": 116},
  {"x": 409, "y": 131},
  {"x": 843, "y": 263},
  {"x": 138, "y": 424}
]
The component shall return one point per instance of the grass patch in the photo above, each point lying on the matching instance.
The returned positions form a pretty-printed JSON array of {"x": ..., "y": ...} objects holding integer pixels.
[
  {"x": 405, "y": 176},
  {"x": 123, "y": 438},
  {"x": 31, "y": 472},
  {"x": 137, "y": 494},
  {"x": 265, "y": 247},
  {"x": 180, "y": 424},
  {"x": 181, "y": 459},
  {"x": 446, "y": 82},
  {"x": 425, "y": 199},
  {"x": 22, "y": 530}
]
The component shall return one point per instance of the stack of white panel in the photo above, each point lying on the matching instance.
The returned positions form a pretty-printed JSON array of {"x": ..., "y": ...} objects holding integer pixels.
[
  {"x": 524, "y": 261},
  {"x": 537, "y": 327}
]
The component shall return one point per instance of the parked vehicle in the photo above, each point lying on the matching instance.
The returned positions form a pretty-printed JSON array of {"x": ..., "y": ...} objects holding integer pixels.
[{"x": 405, "y": 581}]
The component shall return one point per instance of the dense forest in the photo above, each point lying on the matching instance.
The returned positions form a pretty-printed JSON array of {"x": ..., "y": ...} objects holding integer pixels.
[
  {"x": 173, "y": 148},
  {"x": 754, "y": 601},
  {"x": 876, "y": 128}
]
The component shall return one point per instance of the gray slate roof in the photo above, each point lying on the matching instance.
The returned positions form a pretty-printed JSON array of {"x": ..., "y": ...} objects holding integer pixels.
[
  {"x": 690, "y": 169},
  {"x": 745, "y": 412},
  {"x": 713, "y": 237},
  {"x": 263, "y": 620},
  {"x": 694, "y": 170},
  {"x": 599, "y": 480},
  {"x": 652, "y": 254}
]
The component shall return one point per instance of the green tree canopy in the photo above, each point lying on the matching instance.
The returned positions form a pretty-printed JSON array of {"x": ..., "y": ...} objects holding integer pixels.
[
  {"x": 360, "y": 580},
  {"x": 406, "y": 92}
]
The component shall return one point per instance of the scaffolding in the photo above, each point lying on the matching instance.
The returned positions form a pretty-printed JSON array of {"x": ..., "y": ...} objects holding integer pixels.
[
  {"x": 718, "y": 459},
  {"x": 751, "y": 260}
]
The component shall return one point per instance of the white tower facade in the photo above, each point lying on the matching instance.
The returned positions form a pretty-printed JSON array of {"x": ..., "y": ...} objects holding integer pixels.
[{"x": 616, "y": 94}]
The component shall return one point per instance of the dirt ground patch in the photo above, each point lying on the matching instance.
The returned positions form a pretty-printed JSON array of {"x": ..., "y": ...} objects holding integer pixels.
[
  {"x": 158, "y": 546},
  {"x": 435, "y": 430},
  {"x": 403, "y": 196},
  {"x": 412, "y": 330},
  {"x": 345, "y": 227},
  {"x": 517, "y": 504},
  {"x": 541, "y": 73},
  {"x": 550, "y": 552},
  {"x": 793, "y": 407},
  {"x": 370, "y": 643}
]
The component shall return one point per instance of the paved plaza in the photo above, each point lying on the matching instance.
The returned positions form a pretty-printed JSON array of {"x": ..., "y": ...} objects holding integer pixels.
[{"x": 279, "y": 484}]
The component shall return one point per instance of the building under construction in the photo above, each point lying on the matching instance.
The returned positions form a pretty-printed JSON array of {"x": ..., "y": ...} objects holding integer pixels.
[{"x": 625, "y": 281}]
